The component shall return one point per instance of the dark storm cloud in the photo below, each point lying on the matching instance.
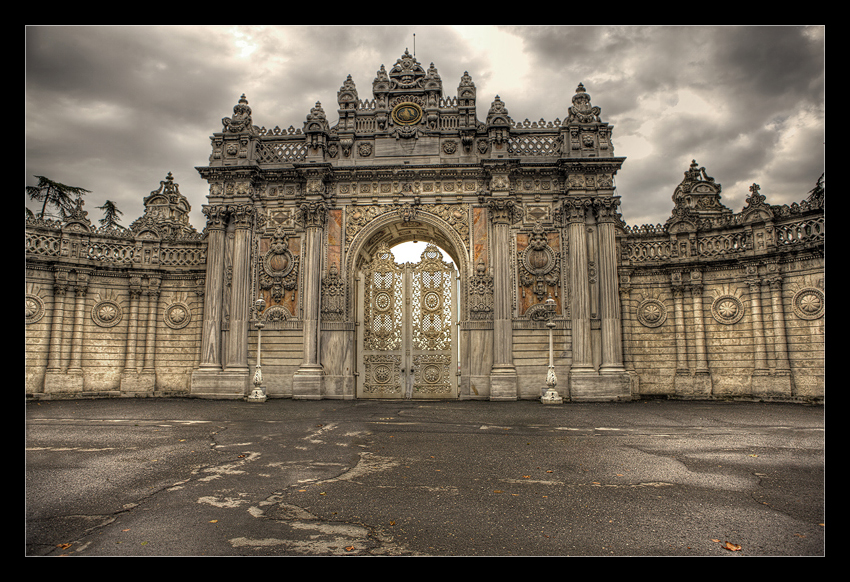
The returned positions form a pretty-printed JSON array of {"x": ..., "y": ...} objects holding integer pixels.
[
  {"x": 756, "y": 115},
  {"x": 114, "y": 109}
]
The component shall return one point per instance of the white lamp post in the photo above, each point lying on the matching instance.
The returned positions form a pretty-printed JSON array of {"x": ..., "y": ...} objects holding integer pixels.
[
  {"x": 258, "y": 394},
  {"x": 550, "y": 396}
]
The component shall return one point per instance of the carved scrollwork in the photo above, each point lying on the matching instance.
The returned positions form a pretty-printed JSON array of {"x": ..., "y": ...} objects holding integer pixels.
[
  {"x": 279, "y": 267},
  {"x": 539, "y": 264}
]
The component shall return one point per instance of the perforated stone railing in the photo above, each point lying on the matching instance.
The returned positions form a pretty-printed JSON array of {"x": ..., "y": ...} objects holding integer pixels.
[
  {"x": 652, "y": 243},
  {"x": 119, "y": 250}
]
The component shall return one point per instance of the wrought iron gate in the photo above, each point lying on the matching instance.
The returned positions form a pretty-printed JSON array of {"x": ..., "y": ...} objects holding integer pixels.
[{"x": 407, "y": 339}]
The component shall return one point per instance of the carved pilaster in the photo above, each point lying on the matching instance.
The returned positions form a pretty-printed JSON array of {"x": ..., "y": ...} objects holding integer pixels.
[
  {"x": 152, "y": 293},
  {"x": 80, "y": 289},
  {"x": 780, "y": 343},
  {"x": 240, "y": 292},
  {"x": 213, "y": 295},
  {"x": 609, "y": 300},
  {"x": 60, "y": 289},
  {"x": 503, "y": 384},
  {"x": 307, "y": 382},
  {"x": 575, "y": 211},
  {"x": 679, "y": 309}
]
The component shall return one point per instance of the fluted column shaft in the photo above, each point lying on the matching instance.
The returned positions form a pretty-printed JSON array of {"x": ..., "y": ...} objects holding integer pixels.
[
  {"x": 60, "y": 289},
  {"x": 609, "y": 297},
  {"x": 313, "y": 216},
  {"x": 240, "y": 296},
  {"x": 211, "y": 335},
  {"x": 579, "y": 291}
]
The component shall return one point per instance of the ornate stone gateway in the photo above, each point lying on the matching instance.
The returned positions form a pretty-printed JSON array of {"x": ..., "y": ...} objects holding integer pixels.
[{"x": 407, "y": 338}]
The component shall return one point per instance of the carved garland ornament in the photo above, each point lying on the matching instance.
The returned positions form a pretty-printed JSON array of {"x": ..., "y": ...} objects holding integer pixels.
[
  {"x": 539, "y": 264},
  {"x": 279, "y": 273}
]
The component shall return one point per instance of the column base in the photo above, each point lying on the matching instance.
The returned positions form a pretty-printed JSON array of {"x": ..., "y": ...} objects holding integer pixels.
[
  {"x": 220, "y": 384},
  {"x": 599, "y": 387},
  {"x": 696, "y": 386},
  {"x": 307, "y": 383},
  {"x": 778, "y": 386},
  {"x": 503, "y": 383},
  {"x": 63, "y": 382},
  {"x": 133, "y": 382}
]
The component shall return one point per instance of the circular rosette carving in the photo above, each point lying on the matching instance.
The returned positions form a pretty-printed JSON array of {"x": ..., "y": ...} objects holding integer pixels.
[
  {"x": 727, "y": 309},
  {"x": 383, "y": 301},
  {"x": 106, "y": 313},
  {"x": 651, "y": 313},
  {"x": 808, "y": 303},
  {"x": 34, "y": 308},
  {"x": 382, "y": 373},
  {"x": 432, "y": 374},
  {"x": 177, "y": 315}
]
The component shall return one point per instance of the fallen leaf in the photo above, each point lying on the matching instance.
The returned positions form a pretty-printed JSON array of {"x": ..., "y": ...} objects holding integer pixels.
[{"x": 732, "y": 547}]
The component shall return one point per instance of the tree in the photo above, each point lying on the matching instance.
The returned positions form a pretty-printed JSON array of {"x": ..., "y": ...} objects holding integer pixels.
[
  {"x": 110, "y": 215},
  {"x": 55, "y": 194}
]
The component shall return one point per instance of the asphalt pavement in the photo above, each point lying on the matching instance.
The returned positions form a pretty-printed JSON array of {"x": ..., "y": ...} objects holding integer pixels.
[{"x": 189, "y": 477}]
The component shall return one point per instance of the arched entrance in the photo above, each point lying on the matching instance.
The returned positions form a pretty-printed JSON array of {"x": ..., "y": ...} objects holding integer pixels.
[{"x": 407, "y": 312}]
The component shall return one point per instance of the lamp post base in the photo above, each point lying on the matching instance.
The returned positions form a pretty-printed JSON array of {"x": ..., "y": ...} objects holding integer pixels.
[{"x": 551, "y": 397}]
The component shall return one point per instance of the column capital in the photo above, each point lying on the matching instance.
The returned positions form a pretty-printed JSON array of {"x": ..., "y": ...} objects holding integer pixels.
[
  {"x": 313, "y": 214},
  {"x": 503, "y": 210},
  {"x": 575, "y": 208}
]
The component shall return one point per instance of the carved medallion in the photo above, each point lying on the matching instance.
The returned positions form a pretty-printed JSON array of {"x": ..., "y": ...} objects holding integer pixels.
[
  {"x": 34, "y": 308},
  {"x": 407, "y": 113},
  {"x": 808, "y": 303},
  {"x": 177, "y": 315},
  {"x": 106, "y": 313},
  {"x": 727, "y": 309},
  {"x": 651, "y": 313}
]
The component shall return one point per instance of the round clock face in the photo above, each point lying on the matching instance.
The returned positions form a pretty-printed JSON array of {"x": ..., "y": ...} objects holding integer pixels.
[{"x": 407, "y": 113}]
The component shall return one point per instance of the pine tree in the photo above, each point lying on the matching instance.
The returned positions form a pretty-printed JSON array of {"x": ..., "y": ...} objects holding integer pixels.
[
  {"x": 110, "y": 215},
  {"x": 55, "y": 194}
]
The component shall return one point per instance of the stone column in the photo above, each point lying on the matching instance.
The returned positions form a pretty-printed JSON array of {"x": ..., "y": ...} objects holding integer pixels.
[
  {"x": 575, "y": 209},
  {"x": 80, "y": 288},
  {"x": 696, "y": 288},
  {"x": 780, "y": 343},
  {"x": 760, "y": 367},
  {"x": 211, "y": 334},
  {"x": 681, "y": 342},
  {"x": 152, "y": 294},
  {"x": 240, "y": 291},
  {"x": 132, "y": 326},
  {"x": 503, "y": 378},
  {"x": 307, "y": 382},
  {"x": 60, "y": 289},
  {"x": 609, "y": 298}
]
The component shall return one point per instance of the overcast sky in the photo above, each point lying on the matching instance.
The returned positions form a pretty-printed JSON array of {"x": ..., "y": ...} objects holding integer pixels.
[{"x": 114, "y": 109}]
